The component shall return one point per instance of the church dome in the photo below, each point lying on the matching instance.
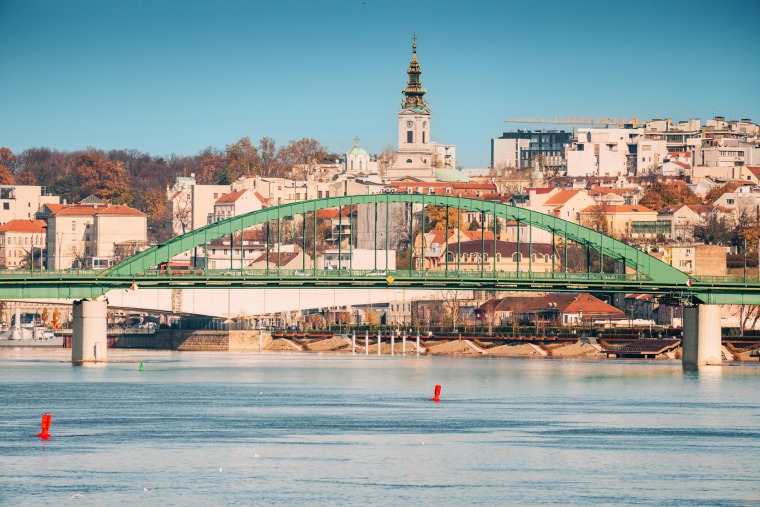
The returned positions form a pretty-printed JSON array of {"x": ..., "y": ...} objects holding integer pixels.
[{"x": 357, "y": 151}]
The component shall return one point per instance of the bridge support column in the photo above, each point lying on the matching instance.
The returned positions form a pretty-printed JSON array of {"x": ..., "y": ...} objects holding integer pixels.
[
  {"x": 89, "y": 334},
  {"x": 701, "y": 336}
]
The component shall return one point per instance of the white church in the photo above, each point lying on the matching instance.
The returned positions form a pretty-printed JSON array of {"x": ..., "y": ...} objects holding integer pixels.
[{"x": 417, "y": 156}]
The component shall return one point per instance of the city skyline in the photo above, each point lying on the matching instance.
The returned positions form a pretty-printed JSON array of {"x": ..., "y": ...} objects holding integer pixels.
[{"x": 140, "y": 74}]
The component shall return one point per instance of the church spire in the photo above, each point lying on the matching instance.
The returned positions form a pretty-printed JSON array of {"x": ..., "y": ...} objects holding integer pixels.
[{"x": 414, "y": 92}]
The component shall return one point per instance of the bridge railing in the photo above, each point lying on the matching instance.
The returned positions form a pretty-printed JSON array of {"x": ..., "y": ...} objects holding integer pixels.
[{"x": 396, "y": 274}]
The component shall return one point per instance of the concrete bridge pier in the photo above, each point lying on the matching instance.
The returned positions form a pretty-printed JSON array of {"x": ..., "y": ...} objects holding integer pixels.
[
  {"x": 89, "y": 339},
  {"x": 701, "y": 336}
]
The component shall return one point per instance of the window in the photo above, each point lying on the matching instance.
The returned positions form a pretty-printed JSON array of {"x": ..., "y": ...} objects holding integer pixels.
[
  {"x": 729, "y": 201},
  {"x": 6, "y": 205},
  {"x": 516, "y": 257},
  {"x": 423, "y": 137},
  {"x": 409, "y": 136},
  {"x": 409, "y": 161}
]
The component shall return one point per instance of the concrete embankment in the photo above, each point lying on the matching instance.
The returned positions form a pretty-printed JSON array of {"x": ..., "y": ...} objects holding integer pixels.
[{"x": 196, "y": 340}]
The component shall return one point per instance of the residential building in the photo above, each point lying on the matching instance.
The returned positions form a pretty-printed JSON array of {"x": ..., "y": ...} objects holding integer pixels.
[
  {"x": 21, "y": 202},
  {"x": 696, "y": 258},
  {"x": 479, "y": 256},
  {"x": 85, "y": 235},
  {"x": 565, "y": 204},
  {"x": 526, "y": 148},
  {"x": 624, "y": 221},
  {"x": 574, "y": 310},
  {"x": 22, "y": 244},
  {"x": 355, "y": 258},
  {"x": 235, "y": 203},
  {"x": 291, "y": 260}
]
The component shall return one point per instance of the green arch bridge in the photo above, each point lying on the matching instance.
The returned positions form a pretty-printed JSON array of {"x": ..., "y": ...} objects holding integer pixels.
[{"x": 645, "y": 274}]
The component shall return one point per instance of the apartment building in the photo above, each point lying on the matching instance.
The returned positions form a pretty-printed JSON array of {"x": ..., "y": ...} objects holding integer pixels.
[
  {"x": 22, "y": 244},
  {"x": 86, "y": 235},
  {"x": 21, "y": 202}
]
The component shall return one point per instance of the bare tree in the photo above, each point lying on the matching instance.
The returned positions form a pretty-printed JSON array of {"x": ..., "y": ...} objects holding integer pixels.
[
  {"x": 386, "y": 160},
  {"x": 451, "y": 301}
]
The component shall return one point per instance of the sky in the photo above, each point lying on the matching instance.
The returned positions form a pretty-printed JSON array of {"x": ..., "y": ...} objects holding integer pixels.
[{"x": 178, "y": 76}]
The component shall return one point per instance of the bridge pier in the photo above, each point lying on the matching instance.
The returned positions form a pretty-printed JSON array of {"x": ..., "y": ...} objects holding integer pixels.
[
  {"x": 89, "y": 340},
  {"x": 701, "y": 336}
]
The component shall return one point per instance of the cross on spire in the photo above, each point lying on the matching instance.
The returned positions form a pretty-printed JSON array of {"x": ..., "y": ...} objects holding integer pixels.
[
  {"x": 414, "y": 41},
  {"x": 357, "y": 140}
]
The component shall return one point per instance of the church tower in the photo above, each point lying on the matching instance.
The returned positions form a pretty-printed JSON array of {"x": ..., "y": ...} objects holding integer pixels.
[{"x": 415, "y": 153}]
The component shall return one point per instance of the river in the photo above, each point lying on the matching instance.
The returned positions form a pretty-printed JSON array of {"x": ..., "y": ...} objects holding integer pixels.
[{"x": 248, "y": 429}]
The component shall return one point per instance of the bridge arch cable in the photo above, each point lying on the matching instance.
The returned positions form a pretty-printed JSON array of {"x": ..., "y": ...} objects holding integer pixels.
[{"x": 644, "y": 264}]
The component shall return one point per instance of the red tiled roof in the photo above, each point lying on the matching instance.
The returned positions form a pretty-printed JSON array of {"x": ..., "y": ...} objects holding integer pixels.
[
  {"x": 231, "y": 197},
  {"x": 103, "y": 209},
  {"x": 561, "y": 197},
  {"x": 473, "y": 235},
  {"x": 592, "y": 307},
  {"x": 285, "y": 258},
  {"x": 327, "y": 214},
  {"x": 30, "y": 226},
  {"x": 612, "y": 208},
  {"x": 754, "y": 170},
  {"x": 261, "y": 198}
]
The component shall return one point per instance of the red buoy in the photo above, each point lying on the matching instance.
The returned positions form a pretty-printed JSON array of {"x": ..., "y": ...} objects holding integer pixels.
[
  {"x": 437, "y": 395},
  {"x": 46, "y": 420}
]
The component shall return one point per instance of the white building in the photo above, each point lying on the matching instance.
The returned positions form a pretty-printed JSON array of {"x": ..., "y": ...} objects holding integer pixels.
[
  {"x": 21, "y": 202},
  {"x": 614, "y": 152},
  {"x": 356, "y": 258},
  {"x": 236, "y": 203},
  {"x": 22, "y": 244},
  {"x": 85, "y": 235}
]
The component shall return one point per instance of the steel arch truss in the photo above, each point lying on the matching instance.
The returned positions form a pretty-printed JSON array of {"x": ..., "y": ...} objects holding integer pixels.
[{"x": 648, "y": 267}]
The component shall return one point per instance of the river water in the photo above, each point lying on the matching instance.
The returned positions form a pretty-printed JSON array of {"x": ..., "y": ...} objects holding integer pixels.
[{"x": 249, "y": 429}]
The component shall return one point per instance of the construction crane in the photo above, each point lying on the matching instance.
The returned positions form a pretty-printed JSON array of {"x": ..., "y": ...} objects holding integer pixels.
[{"x": 564, "y": 120}]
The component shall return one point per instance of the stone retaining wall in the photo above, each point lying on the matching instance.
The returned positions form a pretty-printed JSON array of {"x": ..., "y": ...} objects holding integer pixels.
[{"x": 196, "y": 340}]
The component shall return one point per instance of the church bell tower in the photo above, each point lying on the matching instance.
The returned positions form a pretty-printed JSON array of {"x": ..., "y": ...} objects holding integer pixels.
[{"x": 415, "y": 154}]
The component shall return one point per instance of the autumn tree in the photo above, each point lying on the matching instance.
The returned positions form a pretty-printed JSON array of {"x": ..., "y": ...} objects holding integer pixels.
[
  {"x": 6, "y": 160},
  {"x": 211, "y": 167},
  {"x": 435, "y": 218},
  {"x": 98, "y": 176},
  {"x": 269, "y": 159},
  {"x": 661, "y": 193},
  {"x": 718, "y": 191},
  {"x": 302, "y": 157},
  {"x": 242, "y": 159}
]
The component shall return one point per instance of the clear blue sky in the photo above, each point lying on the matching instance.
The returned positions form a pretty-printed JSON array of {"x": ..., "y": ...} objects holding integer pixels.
[{"x": 176, "y": 76}]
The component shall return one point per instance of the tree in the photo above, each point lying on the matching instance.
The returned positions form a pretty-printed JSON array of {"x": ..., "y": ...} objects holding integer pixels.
[
  {"x": 97, "y": 176},
  {"x": 302, "y": 158},
  {"x": 6, "y": 160},
  {"x": 597, "y": 219},
  {"x": 385, "y": 160},
  {"x": 661, "y": 193},
  {"x": 211, "y": 167},
  {"x": 508, "y": 178},
  {"x": 270, "y": 162},
  {"x": 716, "y": 192},
  {"x": 435, "y": 216},
  {"x": 716, "y": 230},
  {"x": 243, "y": 159},
  {"x": 451, "y": 301}
]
